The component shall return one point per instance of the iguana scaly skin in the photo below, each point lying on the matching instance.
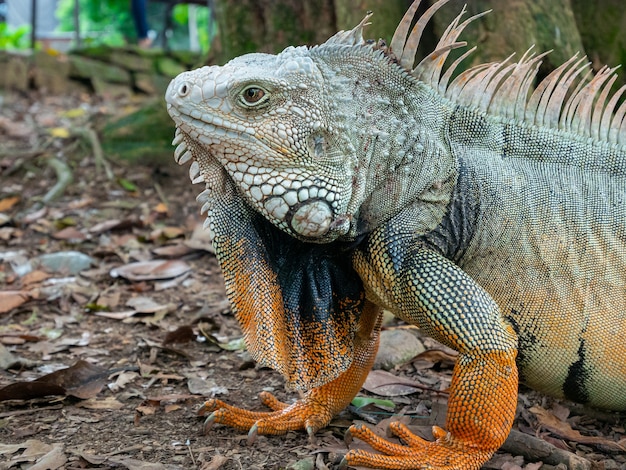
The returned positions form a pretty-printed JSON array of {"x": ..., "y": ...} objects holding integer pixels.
[{"x": 341, "y": 179}]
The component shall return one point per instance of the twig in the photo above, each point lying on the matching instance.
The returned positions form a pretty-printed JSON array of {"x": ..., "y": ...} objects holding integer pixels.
[
  {"x": 161, "y": 194},
  {"x": 7, "y": 414},
  {"x": 535, "y": 449},
  {"x": 98, "y": 154},
  {"x": 64, "y": 178}
]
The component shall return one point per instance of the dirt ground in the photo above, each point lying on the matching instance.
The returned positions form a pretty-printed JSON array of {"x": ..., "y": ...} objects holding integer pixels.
[{"x": 159, "y": 338}]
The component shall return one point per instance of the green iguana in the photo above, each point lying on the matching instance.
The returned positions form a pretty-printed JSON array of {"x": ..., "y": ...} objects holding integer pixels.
[{"x": 342, "y": 179}]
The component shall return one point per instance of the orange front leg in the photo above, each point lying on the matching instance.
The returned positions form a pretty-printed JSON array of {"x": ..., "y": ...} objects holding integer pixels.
[
  {"x": 318, "y": 406},
  {"x": 483, "y": 397}
]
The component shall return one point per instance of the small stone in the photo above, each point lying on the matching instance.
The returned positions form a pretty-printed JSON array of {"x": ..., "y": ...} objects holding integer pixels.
[
  {"x": 396, "y": 347},
  {"x": 304, "y": 464}
]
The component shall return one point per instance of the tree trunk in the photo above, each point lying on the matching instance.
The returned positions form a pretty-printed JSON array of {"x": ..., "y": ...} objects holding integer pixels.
[
  {"x": 602, "y": 25},
  {"x": 270, "y": 26},
  {"x": 514, "y": 26}
]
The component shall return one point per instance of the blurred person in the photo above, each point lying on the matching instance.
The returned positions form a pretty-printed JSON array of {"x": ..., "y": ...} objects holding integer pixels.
[{"x": 138, "y": 9}]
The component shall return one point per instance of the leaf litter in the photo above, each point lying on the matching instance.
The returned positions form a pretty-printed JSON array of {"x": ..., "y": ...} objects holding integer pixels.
[{"x": 108, "y": 371}]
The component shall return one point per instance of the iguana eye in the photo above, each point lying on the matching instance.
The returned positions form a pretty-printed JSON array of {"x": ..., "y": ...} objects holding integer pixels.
[{"x": 253, "y": 96}]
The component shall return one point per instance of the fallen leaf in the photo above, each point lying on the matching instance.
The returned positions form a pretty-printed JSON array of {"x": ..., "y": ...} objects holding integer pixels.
[
  {"x": 33, "y": 449},
  {"x": 69, "y": 233},
  {"x": 146, "y": 410},
  {"x": 134, "y": 464},
  {"x": 8, "y": 202},
  {"x": 108, "y": 403},
  {"x": 54, "y": 459},
  {"x": 360, "y": 402},
  {"x": 34, "y": 277},
  {"x": 386, "y": 384},
  {"x": 183, "y": 334},
  {"x": 59, "y": 132},
  {"x": 217, "y": 462},
  {"x": 565, "y": 431},
  {"x": 161, "y": 208},
  {"x": 177, "y": 250},
  {"x": 144, "y": 304},
  {"x": 127, "y": 184},
  {"x": 29, "y": 390},
  {"x": 73, "y": 113},
  {"x": 81, "y": 380},
  {"x": 12, "y": 299},
  {"x": 151, "y": 270},
  {"x": 117, "y": 315}
]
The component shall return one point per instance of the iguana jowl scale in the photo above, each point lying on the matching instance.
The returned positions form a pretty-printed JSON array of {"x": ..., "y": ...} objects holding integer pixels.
[{"x": 341, "y": 179}]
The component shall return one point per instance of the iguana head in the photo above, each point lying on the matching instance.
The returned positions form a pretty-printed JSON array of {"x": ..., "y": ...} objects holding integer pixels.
[{"x": 266, "y": 119}]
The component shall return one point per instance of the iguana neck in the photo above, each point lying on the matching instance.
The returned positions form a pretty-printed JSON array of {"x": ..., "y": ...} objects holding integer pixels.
[{"x": 394, "y": 128}]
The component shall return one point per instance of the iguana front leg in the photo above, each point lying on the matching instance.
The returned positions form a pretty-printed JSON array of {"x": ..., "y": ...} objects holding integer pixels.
[
  {"x": 319, "y": 405},
  {"x": 428, "y": 290}
]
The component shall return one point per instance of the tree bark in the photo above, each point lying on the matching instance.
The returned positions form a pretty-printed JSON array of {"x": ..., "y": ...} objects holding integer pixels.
[{"x": 270, "y": 26}]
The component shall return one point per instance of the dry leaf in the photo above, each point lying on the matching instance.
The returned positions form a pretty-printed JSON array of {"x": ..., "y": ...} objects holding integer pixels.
[
  {"x": 108, "y": 403},
  {"x": 53, "y": 460},
  {"x": 82, "y": 380},
  {"x": 182, "y": 334},
  {"x": 173, "y": 251},
  {"x": 217, "y": 462},
  {"x": 60, "y": 132},
  {"x": 134, "y": 464},
  {"x": 386, "y": 384},
  {"x": 10, "y": 299},
  {"x": 69, "y": 233},
  {"x": 8, "y": 202},
  {"x": 34, "y": 277},
  {"x": 151, "y": 270},
  {"x": 565, "y": 431}
]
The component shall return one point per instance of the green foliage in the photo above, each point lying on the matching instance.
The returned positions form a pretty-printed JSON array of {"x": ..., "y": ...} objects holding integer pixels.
[
  {"x": 14, "y": 38},
  {"x": 180, "y": 14},
  {"x": 110, "y": 22},
  {"x": 106, "y": 21}
]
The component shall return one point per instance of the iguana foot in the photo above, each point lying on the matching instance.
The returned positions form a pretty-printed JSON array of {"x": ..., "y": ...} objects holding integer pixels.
[
  {"x": 308, "y": 414},
  {"x": 445, "y": 453}
]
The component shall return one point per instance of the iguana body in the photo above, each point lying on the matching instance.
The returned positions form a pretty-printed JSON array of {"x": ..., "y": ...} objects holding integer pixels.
[{"x": 341, "y": 180}]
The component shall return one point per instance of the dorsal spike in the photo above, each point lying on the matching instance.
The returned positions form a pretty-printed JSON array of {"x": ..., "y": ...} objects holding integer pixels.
[
  {"x": 443, "y": 82},
  {"x": 402, "y": 31},
  {"x": 607, "y": 116},
  {"x": 429, "y": 70},
  {"x": 502, "y": 89},
  {"x": 544, "y": 88},
  {"x": 596, "y": 119},
  {"x": 351, "y": 37},
  {"x": 494, "y": 83},
  {"x": 511, "y": 97},
  {"x": 410, "y": 48},
  {"x": 554, "y": 105},
  {"x": 618, "y": 125},
  {"x": 589, "y": 96},
  {"x": 455, "y": 90},
  {"x": 567, "y": 115}
]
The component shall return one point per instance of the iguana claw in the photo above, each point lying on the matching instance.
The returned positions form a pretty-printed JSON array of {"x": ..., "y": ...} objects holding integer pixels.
[
  {"x": 253, "y": 433},
  {"x": 208, "y": 423},
  {"x": 307, "y": 414}
]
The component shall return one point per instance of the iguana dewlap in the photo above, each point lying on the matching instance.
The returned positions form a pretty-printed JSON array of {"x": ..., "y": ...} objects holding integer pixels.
[{"x": 342, "y": 178}]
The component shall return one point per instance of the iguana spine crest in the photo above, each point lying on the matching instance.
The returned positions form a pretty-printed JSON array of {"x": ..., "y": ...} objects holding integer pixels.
[{"x": 502, "y": 88}]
